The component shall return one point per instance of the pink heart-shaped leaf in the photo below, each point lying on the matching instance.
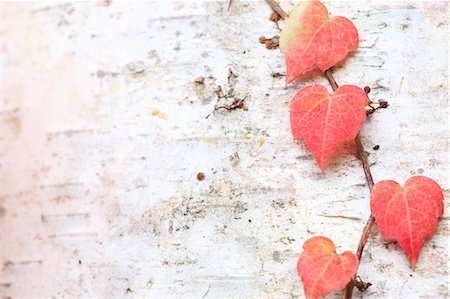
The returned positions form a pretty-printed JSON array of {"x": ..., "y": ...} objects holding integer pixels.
[
  {"x": 322, "y": 269},
  {"x": 325, "y": 121},
  {"x": 407, "y": 214},
  {"x": 312, "y": 40}
]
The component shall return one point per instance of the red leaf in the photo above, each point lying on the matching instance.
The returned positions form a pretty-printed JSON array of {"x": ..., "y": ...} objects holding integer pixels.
[
  {"x": 312, "y": 40},
  {"x": 409, "y": 214},
  {"x": 322, "y": 269},
  {"x": 326, "y": 121}
]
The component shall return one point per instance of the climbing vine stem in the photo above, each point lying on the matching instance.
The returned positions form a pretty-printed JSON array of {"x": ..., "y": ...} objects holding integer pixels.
[
  {"x": 277, "y": 8},
  {"x": 361, "y": 153},
  {"x": 368, "y": 174}
]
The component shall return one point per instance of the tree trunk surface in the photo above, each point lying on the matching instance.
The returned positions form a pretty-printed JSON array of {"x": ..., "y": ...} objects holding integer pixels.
[{"x": 104, "y": 136}]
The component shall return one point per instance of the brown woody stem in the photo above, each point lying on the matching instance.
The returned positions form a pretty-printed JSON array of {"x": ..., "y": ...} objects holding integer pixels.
[
  {"x": 365, "y": 164},
  {"x": 361, "y": 155},
  {"x": 276, "y": 7},
  {"x": 330, "y": 79}
]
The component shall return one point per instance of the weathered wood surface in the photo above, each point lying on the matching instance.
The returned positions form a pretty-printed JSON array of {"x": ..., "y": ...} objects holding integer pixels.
[{"x": 104, "y": 132}]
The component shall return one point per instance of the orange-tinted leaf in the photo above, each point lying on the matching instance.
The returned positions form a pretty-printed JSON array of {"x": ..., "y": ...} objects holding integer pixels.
[
  {"x": 312, "y": 40},
  {"x": 326, "y": 121},
  {"x": 408, "y": 215},
  {"x": 322, "y": 269}
]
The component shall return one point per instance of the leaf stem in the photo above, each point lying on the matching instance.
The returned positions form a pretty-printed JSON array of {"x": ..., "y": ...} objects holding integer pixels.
[
  {"x": 331, "y": 80},
  {"x": 365, "y": 164},
  {"x": 277, "y": 8}
]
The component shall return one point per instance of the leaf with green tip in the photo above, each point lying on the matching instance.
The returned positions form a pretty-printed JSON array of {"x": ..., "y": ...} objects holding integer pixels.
[{"x": 312, "y": 40}]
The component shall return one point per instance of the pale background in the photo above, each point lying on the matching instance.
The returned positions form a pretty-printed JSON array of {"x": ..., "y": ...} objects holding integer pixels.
[{"x": 104, "y": 131}]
